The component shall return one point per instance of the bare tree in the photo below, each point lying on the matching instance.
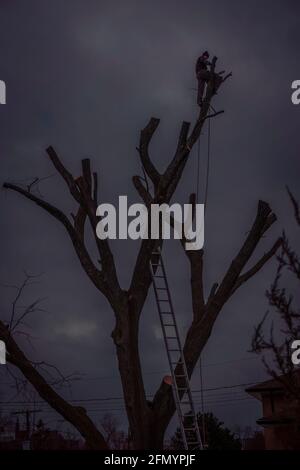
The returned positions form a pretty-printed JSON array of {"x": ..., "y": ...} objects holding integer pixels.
[
  {"x": 115, "y": 438},
  {"x": 44, "y": 377},
  {"x": 147, "y": 420},
  {"x": 275, "y": 347}
]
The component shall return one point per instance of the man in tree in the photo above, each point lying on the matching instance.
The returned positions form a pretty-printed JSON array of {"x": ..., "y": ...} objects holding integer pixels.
[{"x": 204, "y": 75}]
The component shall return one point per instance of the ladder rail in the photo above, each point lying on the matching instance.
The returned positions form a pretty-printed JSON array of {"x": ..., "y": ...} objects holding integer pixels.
[
  {"x": 188, "y": 390},
  {"x": 175, "y": 391},
  {"x": 179, "y": 390}
]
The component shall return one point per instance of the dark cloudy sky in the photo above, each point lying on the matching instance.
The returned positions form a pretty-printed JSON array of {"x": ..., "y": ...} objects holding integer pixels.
[{"x": 85, "y": 76}]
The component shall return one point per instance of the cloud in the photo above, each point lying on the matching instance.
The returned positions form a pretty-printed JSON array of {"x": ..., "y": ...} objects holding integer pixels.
[{"x": 76, "y": 329}]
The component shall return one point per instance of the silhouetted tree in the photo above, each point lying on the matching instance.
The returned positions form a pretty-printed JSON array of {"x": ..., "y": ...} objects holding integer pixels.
[
  {"x": 147, "y": 420},
  {"x": 115, "y": 437},
  {"x": 275, "y": 347}
]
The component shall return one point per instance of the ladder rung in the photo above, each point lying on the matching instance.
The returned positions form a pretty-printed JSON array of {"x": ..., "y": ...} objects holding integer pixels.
[{"x": 181, "y": 384}]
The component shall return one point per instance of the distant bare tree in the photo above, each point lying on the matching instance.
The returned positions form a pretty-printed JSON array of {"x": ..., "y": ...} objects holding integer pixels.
[
  {"x": 44, "y": 377},
  {"x": 115, "y": 438},
  {"x": 147, "y": 420},
  {"x": 276, "y": 346}
]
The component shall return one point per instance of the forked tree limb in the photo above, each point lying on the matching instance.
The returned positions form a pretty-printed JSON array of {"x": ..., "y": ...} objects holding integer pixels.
[
  {"x": 86, "y": 196},
  {"x": 88, "y": 204},
  {"x": 201, "y": 327},
  {"x": 81, "y": 190},
  {"x": 166, "y": 183},
  {"x": 93, "y": 273},
  {"x": 257, "y": 266},
  {"x": 263, "y": 215}
]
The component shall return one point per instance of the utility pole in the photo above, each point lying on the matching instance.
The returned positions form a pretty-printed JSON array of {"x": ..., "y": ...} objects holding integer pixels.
[{"x": 27, "y": 414}]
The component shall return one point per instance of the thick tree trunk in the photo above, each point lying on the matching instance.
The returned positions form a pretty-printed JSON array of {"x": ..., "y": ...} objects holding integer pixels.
[{"x": 125, "y": 336}]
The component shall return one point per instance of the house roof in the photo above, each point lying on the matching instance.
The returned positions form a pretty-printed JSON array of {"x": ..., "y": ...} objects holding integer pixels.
[
  {"x": 275, "y": 420},
  {"x": 269, "y": 386},
  {"x": 275, "y": 386}
]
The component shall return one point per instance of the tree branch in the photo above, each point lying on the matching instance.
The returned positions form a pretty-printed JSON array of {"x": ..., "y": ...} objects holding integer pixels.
[
  {"x": 95, "y": 190},
  {"x": 66, "y": 175},
  {"x": 79, "y": 222},
  {"x": 84, "y": 184},
  {"x": 73, "y": 414},
  {"x": 258, "y": 266},
  {"x": 145, "y": 138},
  {"x": 196, "y": 262},
  {"x": 200, "y": 329},
  {"x": 143, "y": 192},
  {"x": 86, "y": 173},
  {"x": 93, "y": 273},
  {"x": 295, "y": 205},
  {"x": 263, "y": 218},
  {"x": 216, "y": 113},
  {"x": 166, "y": 183},
  {"x": 185, "y": 127}
]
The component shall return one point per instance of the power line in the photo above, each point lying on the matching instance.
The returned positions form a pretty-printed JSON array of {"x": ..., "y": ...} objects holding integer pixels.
[
  {"x": 157, "y": 372},
  {"x": 87, "y": 400},
  {"x": 95, "y": 406},
  {"x": 96, "y": 403},
  {"x": 122, "y": 409}
]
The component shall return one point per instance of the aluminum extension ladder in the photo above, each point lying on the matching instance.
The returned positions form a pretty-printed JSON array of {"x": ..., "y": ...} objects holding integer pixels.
[{"x": 180, "y": 381}]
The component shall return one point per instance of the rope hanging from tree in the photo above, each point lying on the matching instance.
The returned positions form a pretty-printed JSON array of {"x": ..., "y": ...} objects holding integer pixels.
[{"x": 205, "y": 207}]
